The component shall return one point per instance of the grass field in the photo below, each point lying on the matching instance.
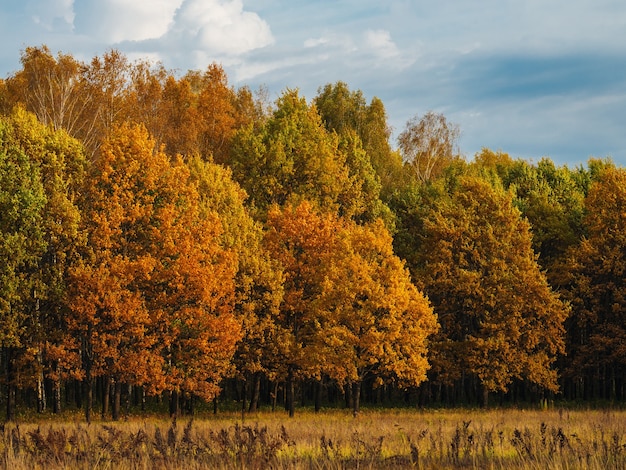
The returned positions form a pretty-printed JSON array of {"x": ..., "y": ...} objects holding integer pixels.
[{"x": 333, "y": 439}]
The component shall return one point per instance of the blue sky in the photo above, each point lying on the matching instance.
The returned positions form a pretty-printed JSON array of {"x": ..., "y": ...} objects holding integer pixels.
[{"x": 529, "y": 77}]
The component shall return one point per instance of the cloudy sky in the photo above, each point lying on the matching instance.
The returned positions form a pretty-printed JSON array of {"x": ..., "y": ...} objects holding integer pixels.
[{"x": 529, "y": 77}]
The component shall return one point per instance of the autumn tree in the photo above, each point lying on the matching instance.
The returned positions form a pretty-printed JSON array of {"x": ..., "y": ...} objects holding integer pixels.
[
  {"x": 258, "y": 281},
  {"x": 22, "y": 244},
  {"x": 107, "y": 83},
  {"x": 146, "y": 98},
  {"x": 594, "y": 282},
  {"x": 51, "y": 88},
  {"x": 349, "y": 308},
  {"x": 345, "y": 112},
  {"x": 292, "y": 158},
  {"x": 196, "y": 114},
  {"x": 59, "y": 161},
  {"x": 550, "y": 197},
  {"x": 152, "y": 297},
  {"x": 373, "y": 322},
  {"x": 427, "y": 144},
  {"x": 500, "y": 320}
]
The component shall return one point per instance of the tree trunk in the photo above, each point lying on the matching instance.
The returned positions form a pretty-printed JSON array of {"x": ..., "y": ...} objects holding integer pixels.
[
  {"x": 244, "y": 393},
  {"x": 117, "y": 400},
  {"x": 56, "y": 392},
  {"x": 485, "y": 399},
  {"x": 275, "y": 396},
  {"x": 174, "y": 404},
  {"x": 10, "y": 384},
  {"x": 106, "y": 394},
  {"x": 88, "y": 382},
  {"x": 256, "y": 393},
  {"x": 142, "y": 397},
  {"x": 129, "y": 394},
  {"x": 41, "y": 391},
  {"x": 356, "y": 397},
  {"x": 317, "y": 394},
  {"x": 290, "y": 405}
]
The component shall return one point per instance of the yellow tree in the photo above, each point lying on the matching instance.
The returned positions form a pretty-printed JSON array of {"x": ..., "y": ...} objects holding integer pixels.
[
  {"x": 371, "y": 320},
  {"x": 349, "y": 308},
  {"x": 499, "y": 318},
  {"x": 258, "y": 281}
]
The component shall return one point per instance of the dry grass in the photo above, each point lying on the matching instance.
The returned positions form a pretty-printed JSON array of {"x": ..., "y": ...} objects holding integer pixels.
[{"x": 498, "y": 439}]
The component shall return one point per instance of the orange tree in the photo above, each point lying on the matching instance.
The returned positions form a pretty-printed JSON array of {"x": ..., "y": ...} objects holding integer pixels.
[
  {"x": 349, "y": 309},
  {"x": 258, "y": 281},
  {"x": 500, "y": 320},
  {"x": 152, "y": 296}
]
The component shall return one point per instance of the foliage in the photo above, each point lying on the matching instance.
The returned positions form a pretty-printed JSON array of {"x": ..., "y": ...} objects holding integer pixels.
[
  {"x": 345, "y": 112},
  {"x": 349, "y": 308},
  {"x": 291, "y": 158},
  {"x": 40, "y": 223},
  {"x": 428, "y": 143},
  {"x": 595, "y": 282},
  {"x": 172, "y": 234},
  {"x": 500, "y": 320},
  {"x": 152, "y": 297}
]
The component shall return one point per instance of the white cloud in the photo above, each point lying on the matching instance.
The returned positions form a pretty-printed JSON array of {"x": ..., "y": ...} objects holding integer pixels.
[
  {"x": 218, "y": 27},
  {"x": 114, "y": 21},
  {"x": 315, "y": 42},
  {"x": 381, "y": 43},
  {"x": 52, "y": 15}
]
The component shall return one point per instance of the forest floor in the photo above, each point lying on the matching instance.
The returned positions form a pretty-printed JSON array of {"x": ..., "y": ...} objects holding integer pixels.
[{"x": 334, "y": 439}]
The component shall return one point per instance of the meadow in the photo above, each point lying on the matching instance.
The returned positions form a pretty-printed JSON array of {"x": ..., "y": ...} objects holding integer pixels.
[{"x": 331, "y": 439}]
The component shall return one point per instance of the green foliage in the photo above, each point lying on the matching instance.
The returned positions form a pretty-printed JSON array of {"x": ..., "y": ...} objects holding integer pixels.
[
  {"x": 22, "y": 243},
  {"x": 500, "y": 320},
  {"x": 595, "y": 283}
]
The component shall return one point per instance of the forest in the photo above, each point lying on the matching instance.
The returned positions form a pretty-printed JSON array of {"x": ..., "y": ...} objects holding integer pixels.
[{"x": 167, "y": 238}]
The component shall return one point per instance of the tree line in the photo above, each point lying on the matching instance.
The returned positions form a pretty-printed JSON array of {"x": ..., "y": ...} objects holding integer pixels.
[{"x": 171, "y": 237}]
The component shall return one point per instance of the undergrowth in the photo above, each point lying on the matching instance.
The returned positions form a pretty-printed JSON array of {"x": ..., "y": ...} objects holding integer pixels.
[{"x": 459, "y": 439}]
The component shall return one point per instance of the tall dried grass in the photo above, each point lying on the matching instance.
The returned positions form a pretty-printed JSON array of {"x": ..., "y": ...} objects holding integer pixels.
[{"x": 496, "y": 439}]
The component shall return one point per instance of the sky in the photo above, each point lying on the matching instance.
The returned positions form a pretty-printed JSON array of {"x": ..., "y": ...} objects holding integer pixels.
[{"x": 532, "y": 78}]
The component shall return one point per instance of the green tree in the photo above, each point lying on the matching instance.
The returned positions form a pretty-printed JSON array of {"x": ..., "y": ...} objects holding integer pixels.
[
  {"x": 60, "y": 161},
  {"x": 22, "y": 245},
  {"x": 550, "y": 197},
  {"x": 291, "y": 158},
  {"x": 595, "y": 285},
  {"x": 500, "y": 320},
  {"x": 346, "y": 112}
]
